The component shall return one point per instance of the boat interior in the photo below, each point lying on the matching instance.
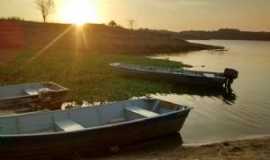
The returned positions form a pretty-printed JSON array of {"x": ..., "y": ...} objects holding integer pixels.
[
  {"x": 83, "y": 118},
  {"x": 29, "y": 89},
  {"x": 170, "y": 70}
]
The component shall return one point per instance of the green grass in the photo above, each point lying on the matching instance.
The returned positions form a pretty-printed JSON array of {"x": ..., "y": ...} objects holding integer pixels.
[{"x": 88, "y": 75}]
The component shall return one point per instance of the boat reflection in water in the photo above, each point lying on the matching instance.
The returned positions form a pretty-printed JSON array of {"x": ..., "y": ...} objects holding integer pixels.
[{"x": 226, "y": 95}]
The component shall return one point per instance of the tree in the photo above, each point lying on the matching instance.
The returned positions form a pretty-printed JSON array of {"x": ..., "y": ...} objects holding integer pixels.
[
  {"x": 112, "y": 23},
  {"x": 45, "y": 7},
  {"x": 131, "y": 23}
]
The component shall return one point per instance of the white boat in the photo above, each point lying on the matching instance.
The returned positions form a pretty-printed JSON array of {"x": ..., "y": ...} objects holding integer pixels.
[
  {"x": 89, "y": 129},
  {"x": 202, "y": 78}
]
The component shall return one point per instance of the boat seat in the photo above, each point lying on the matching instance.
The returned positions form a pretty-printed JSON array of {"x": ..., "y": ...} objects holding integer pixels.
[
  {"x": 31, "y": 92},
  {"x": 117, "y": 120},
  {"x": 209, "y": 75},
  {"x": 141, "y": 112},
  {"x": 68, "y": 125}
]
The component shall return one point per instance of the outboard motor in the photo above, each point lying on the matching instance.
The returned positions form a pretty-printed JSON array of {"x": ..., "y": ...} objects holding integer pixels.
[{"x": 230, "y": 75}]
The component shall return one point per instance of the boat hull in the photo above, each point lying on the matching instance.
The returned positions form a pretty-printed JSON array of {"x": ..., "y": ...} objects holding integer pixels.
[
  {"x": 175, "y": 78},
  {"x": 92, "y": 140}
]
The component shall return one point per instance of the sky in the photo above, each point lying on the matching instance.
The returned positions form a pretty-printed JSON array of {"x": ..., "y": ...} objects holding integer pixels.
[{"x": 176, "y": 15}]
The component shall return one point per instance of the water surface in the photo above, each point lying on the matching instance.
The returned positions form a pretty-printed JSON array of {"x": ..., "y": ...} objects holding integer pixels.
[{"x": 215, "y": 118}]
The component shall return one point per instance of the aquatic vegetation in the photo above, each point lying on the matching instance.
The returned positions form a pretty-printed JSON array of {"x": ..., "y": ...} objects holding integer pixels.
[{"x": 87, "y": 74}]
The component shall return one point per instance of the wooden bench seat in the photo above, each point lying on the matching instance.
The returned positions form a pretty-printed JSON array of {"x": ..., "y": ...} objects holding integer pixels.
[
  {"x": 68, "y": 125},
  {"x": 141, "y": 112}
]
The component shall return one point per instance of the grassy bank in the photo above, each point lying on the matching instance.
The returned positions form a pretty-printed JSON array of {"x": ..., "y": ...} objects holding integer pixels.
[
  {"x": 87, "y": 74},
  {"x": 92, "y": 37}
]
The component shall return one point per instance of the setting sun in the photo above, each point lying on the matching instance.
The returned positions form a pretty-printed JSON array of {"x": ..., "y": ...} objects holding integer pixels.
[{"x": 78, "y": 12}]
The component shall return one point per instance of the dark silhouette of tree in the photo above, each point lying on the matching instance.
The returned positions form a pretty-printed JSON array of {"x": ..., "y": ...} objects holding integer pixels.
[
  {"x": 112, "y": 23},
  {"x": 131, "y": 23},
  {"x": 12, "y": 19},
  {"x": 45, "y": 7}
]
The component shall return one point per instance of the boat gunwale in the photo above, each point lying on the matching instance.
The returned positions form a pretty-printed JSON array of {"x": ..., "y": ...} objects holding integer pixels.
[
  {"x": 164, "y": 71},
  {"x": 184, "y": 108}
]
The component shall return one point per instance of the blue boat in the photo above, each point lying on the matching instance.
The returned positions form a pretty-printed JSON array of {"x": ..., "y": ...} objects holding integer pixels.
[{"x": 90, "y": 128}]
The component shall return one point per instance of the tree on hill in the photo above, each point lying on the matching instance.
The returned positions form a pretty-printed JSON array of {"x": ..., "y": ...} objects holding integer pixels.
[
  {"x": 45, "y": 7},
  {"x": 112, "y": 23},
  {"x": 11, "y": 19},
  {"x": 131, "y": 23}
]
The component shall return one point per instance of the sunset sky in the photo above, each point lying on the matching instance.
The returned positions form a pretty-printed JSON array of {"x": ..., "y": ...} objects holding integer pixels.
[{"x": 157, "y": 14}]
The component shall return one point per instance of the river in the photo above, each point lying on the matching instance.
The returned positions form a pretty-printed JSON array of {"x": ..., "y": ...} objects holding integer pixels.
[{"x": 215, "y": 118}]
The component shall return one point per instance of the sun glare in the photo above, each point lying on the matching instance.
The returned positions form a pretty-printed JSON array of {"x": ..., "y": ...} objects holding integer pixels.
[{"x": 78, "y": 12}]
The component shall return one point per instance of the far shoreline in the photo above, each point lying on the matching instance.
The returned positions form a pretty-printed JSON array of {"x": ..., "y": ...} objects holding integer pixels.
[{"x": 226, "y": 34}]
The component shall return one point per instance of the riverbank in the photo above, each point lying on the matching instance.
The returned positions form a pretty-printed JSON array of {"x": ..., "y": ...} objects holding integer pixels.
[
  {"x": 92, "y": 38},
  {"x": 249, "y": 149}
]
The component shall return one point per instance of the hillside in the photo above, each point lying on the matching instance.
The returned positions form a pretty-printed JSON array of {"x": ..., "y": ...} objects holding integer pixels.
[
  {"x": 91, "y": 37},
  {"x": 225, "y": 34}
]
